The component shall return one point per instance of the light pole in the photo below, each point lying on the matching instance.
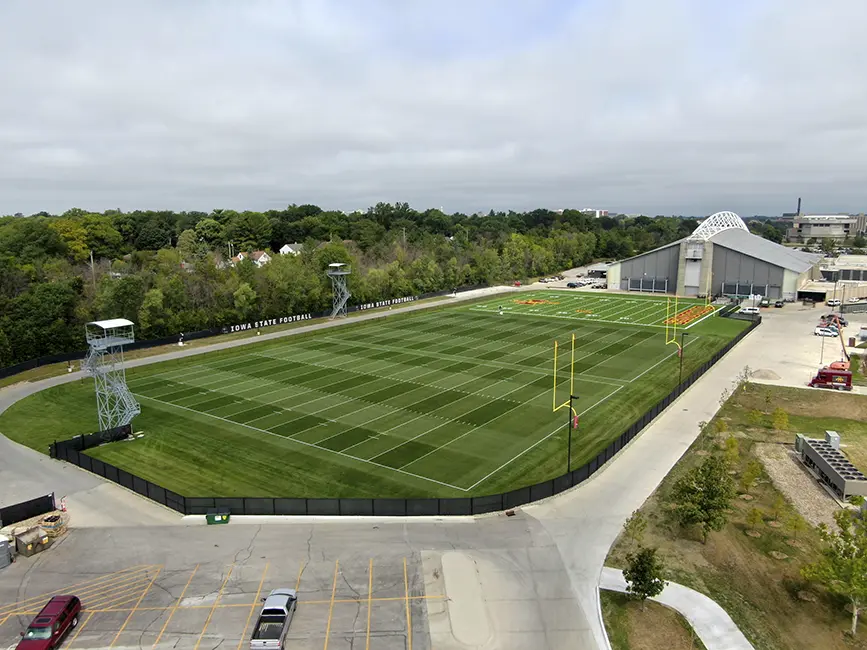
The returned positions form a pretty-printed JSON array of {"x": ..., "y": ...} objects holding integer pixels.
[
  {"x": 571, "y": 423},
  {"x": 682, "y": 334}
]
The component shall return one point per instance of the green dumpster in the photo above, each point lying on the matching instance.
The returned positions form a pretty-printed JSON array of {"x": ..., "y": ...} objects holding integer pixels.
[{"x": 218, "y": 516}]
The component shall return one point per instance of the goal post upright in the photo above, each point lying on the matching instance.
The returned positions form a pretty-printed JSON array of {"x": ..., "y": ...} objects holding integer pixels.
[{"x": 554, "y": 405}]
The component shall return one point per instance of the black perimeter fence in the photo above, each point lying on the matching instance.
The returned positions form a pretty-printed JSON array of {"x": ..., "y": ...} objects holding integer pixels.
[
  {"x": 30, "y": 364},
  {"x": 26, "y": 509},
  {"x": 72, "y": 451}
]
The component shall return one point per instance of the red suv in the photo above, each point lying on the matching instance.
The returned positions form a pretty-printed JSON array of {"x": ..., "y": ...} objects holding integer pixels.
[{"x": 48, "y": 628}]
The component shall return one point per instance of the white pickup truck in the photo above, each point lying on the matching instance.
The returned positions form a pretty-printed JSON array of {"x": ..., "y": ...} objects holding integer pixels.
[{"x": 274, "y": 620}]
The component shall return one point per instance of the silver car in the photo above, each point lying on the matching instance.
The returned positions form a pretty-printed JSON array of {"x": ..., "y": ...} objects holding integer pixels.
[{"x": 274, "y": 620}]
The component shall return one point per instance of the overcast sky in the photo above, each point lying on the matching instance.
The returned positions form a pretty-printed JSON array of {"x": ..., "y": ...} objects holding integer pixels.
[{"x": 661, "y": 107}]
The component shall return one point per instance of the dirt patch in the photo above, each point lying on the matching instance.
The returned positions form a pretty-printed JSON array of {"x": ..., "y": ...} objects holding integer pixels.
[
  {"x": 806, "y": 402},
  {"x": 801, "y": 490},
  {"x": 767, "y": 375}
]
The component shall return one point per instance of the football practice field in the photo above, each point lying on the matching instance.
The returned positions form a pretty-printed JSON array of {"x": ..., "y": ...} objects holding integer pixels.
[{"x": 441, "y": 402}]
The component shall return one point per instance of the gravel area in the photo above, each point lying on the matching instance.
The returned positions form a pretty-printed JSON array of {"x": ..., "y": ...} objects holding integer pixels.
[{"x": 797, "y": 485}]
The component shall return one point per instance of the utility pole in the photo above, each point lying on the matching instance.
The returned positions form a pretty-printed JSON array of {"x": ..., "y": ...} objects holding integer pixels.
[
  {"x": 92, "y": 274},
  {"x": 571, "y": 426}
]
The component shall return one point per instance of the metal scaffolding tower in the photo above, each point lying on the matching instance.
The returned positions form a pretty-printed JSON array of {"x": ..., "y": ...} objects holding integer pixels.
[
  {"x": 115, "y": 404},
  {"x": 340, "y": 294}
]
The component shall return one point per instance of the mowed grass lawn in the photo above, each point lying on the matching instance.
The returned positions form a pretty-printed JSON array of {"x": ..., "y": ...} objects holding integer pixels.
[{"x": 451, "y": 401}]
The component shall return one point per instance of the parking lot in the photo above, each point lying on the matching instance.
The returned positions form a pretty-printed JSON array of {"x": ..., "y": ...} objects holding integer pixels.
[{"x": 351, "y": 604}]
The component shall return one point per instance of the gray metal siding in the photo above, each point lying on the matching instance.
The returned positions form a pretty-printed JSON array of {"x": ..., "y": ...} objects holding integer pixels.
[
  {"x": 731, "y": 267},
  {"x": 661, "y": 263}
]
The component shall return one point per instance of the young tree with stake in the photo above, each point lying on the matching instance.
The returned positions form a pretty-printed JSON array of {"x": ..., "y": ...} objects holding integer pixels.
[
  {"x": 644, "y": 575},
  {"x": 703, "y": 496},
  {"x": 843, "y": 567}
]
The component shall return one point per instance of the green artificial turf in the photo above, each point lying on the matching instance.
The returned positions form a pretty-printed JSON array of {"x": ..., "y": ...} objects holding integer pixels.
[{"x": 451, "y": 401}]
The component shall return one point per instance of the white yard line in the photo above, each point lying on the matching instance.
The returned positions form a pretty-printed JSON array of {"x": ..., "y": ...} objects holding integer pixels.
[
  {"x": 424, "y": 433},
  {"x": 611, "y": 356},
  {"x": 708, "y": 315},
  {"x": 668, "y": 356},
  {"x": 306, "y": 444},
  {"x": 538, "y": 442}
]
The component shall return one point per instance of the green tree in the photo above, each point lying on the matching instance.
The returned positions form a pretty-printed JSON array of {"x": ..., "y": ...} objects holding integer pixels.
[
  {"x": 102, "y": 237},
  {"x": 779, "y": 506},
  {"x": 643, "y": 575},
  {"x": 828, "y": 245},
  {"x": 843, "y": 566},
  {"x": 796, "y": 524},
  {"x": 210, "y": 231},
  {"x": 189, "y": 246},
  {"x": 859, "y": 242},
  {"x": 152, "y": 316},
  {"x": 703, "y": 496},
  {"x": 754, "y": 518},
  {"x": 634, "y": 527},
  {"x": 245, "y": 300},
  {"x": 732, "y": 450},
  {"x": 780, "y": 419},
  {"x": 752, "y": 472},
  {"x": 74, "y": 236},
  {"x": 755, "y": 417}
]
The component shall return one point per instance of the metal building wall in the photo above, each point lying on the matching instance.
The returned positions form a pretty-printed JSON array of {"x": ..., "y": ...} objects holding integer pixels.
[
  {"x": 731, "y": 268},
  {"x": 660, "y": 265}
]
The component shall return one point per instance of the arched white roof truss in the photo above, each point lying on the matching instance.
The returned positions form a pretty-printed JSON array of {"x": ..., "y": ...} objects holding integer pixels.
[{"x": 716, "y": 223}]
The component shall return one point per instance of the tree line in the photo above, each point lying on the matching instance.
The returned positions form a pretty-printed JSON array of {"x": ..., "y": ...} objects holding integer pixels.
[{"x": 170, "y": 272}]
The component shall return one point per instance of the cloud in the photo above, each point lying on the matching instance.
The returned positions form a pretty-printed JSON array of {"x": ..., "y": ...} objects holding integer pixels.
[{"x": 667, "y": 107}]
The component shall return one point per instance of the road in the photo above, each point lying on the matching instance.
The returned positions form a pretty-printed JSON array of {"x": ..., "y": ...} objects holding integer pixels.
[{"x": 512, "y": 582}]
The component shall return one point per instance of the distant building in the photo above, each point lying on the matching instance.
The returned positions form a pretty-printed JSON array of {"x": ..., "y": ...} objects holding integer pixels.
[
  {"x": 593, "y": 212},
  {"x": 825, "y": 226},
  {"x": 291, "y": 249},
  {"x": 260, "y": 258},
  {"x": 721, "y": 257}
]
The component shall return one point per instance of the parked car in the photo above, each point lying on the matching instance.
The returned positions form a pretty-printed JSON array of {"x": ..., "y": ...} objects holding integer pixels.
[
  {"x": 834, "y": 302},
  {"x": 749, "y": 310},
  {"x": 854, "y": 300},
  {"x": 571, "y": 285},
  {"x": 274, "y": 620},
  {"x": 51, "y": 624},
  {"x": 824, "y": 331},
  {"x": 779, "y": 304},
  {"x": 765, "y": 303}
]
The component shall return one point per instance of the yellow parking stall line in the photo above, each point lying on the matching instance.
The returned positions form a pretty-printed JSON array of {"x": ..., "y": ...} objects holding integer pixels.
[
  {"x": 331, "y": 609},
  {"x": 408, "y": 616},
  {"x": 211, "y": 613},
  {"x": 337, "y": 601},
  {"x": 115, "y": 584},
  {"x": 252, "y": 607},
  {"x": 117, "y": 596},
  {"x": 175, "y": 608},
  {"x": 135, "y": 607},
  {"x": 85, "y": 586},
  {"x": 80, "y": 628},
  {"x": 369, "y": 602}
]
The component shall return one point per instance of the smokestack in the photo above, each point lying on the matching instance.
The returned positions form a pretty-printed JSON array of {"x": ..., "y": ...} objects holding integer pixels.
[{"x": 799, "y": 206}]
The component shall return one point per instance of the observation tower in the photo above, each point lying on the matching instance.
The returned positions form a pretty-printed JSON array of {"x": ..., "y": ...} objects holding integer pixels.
[
  {"x": 340, "y": 294},
  {"x": 115, "y": 404}
]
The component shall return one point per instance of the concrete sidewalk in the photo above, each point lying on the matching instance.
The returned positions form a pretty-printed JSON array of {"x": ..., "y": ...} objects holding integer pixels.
[
  {"x": 585, "y": 521},
  {"x": 713, "y": 626}
]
